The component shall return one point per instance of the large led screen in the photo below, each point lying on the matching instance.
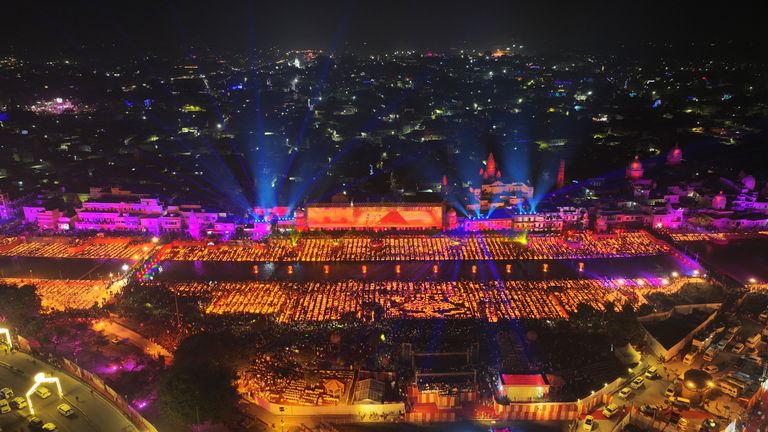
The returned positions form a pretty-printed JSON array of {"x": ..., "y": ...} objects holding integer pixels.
[{"x": 375, "y": 217}]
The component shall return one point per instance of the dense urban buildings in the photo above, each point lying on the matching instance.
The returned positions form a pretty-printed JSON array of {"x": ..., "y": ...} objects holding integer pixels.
[{"x": 509, "y": 232}]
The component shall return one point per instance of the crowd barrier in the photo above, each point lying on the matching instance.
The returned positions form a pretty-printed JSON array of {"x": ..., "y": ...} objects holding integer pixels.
[{"x": 538, "y": 411}]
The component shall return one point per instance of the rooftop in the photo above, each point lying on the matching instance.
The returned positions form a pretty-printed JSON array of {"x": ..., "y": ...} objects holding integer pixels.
[{"x": 524, "y": 380}]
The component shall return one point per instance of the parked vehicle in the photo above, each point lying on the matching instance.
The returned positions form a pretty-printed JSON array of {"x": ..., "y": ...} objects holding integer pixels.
[
  {"x": 19, "y": 402},
  {"x": 65, "y": 410},
  {"x": 637, "y": 382},
  {"x": 35, "y": 423},
  {"x": 625, "y": 393},
  {"x": 610, "y": 410},
  {"x": 5, "y": 407},
  {"x": 670, "y": 391},
  {"x": 648, "y": 409},
  {"x": 764, "y": 315},
  {"x": 722, "y": 344},
  {"x": 710, "y": 353},
  {"x": 680, "y": 402},
  {"x": 43, "y": 392},
  {"x": 589, "y": 421},
  {"x": 6, "y": 393},
  {"x": 753, "y": 340}
]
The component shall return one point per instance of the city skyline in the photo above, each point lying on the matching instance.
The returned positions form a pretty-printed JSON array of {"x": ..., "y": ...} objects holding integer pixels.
[{"x": 355, "y": 216}]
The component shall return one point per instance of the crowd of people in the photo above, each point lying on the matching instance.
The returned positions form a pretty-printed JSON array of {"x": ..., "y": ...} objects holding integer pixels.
[
  {"x": 65, "y": 294},
  {"x": 69, "y": 247},
  {"x": 423, "y": 248},
  {"x": 491, "y": 300},
  {"x": 259, "y": 380}
]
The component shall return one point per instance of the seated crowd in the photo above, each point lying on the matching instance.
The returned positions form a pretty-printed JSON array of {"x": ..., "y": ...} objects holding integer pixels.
[
  {"x": 67, "y": 247},
  {"x": 491, "y": 300},
  {"x": 65, "y": 294},
  {"x": 423, "y": 248}
]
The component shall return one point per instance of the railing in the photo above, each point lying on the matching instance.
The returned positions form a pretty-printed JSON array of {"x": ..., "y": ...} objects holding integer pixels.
[
  {"x": 108, "y": 393},
  {"x": 98, "y": 385}
]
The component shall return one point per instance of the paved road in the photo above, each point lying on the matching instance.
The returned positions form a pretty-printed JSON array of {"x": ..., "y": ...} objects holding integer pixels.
[
  {"x": 112, "y": 329},
  {"x": 93, "y": 413}
]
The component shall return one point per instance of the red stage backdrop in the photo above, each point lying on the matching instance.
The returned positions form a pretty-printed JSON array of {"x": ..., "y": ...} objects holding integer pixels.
[{"x": 370, "y": 216}]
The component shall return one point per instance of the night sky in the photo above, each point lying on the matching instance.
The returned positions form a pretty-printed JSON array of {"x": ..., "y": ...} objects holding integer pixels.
[{"x": 162, "y": 25}]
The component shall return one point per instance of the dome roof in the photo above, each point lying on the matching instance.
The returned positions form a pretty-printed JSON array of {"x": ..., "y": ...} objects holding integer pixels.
[{"x": 697, "y": 379}]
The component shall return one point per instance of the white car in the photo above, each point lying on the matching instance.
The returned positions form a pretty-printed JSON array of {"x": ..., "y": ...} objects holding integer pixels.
[
  {"x": 625, "y": 392},
  {"x": 670, "y": 391},
  {"x": 738, "y": 348},
  {"x": 48, "y": 427},
  {"x": 610, "y": 410},
  {"x": 4, "y": 406},
  {"x": 6, "y": 393},
  {"x": 43, "y": 392},
  {"x": 589, "y": 421},
  {"x": 711, "y": 369},
  {"x": 637, "y": 382},
  {"x": 721, "y": 345},
  {"x": 19, "y": 402},
  {"x": 65, "y": 410}
]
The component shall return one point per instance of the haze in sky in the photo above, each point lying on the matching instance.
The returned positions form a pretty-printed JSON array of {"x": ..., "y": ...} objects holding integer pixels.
[{"x": 238, "y": 25}]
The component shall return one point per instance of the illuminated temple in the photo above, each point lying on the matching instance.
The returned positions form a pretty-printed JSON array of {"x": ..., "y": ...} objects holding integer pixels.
[{"x": 494, "y": 193}]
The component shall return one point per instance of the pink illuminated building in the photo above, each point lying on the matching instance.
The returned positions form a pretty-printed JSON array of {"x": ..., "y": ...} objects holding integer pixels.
[
  {"x": 118, "y": 210},
  {"x": 6, "y": 209}
]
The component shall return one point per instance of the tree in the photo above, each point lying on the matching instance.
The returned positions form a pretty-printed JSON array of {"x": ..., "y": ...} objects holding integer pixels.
[
  {"x": 155, "y": 305},
  {"x": 221, "y": 347},
  {"x": 644, "y": 309},
  {"x": 585, "y": 312},
  {"x": 19, "y": 305},
  {"x": 198, "y": 392}
]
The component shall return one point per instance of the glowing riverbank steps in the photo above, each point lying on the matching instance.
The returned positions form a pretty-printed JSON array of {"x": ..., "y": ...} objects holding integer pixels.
[
  {"x": 490, "y": 300},
  {"x": 423, "y": 248},
  {"x": 63, "y": 294},
  {"x": 69, "y": 247}
]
